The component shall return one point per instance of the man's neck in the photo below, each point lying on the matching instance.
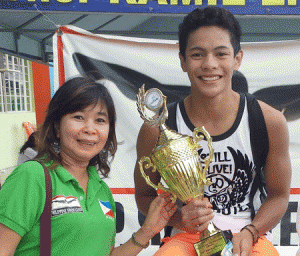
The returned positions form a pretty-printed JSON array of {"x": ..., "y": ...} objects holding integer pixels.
[{"x": 217, "y": 114}]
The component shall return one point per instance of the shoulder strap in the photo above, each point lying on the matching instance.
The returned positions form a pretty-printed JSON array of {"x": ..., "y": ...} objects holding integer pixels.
[
  {"x": 171, "y": 121},
  {"x": 45, "y": 228},
  {"x": 259, "y": 145}
]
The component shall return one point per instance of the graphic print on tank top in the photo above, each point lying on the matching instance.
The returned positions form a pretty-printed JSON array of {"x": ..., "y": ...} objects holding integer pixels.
[
  {"x": 232, "y": 169},
  {"x": 231, "y": 176}
]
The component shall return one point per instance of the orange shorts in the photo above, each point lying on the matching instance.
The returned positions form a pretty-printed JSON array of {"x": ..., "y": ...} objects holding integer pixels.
[{"x": 182, "y": 244}]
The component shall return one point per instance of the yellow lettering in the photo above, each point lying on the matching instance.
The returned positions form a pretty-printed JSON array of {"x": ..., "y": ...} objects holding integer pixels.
[
  {"x": 162, "y": 2},
  {"x": 68, "y": 1},
  {"x": 292, "y": 2},
  {"x": 212, "y": 2},
  {"x": 114, "y": 1},
  {"x": 273, "y": 2},
  {"x": 186, "y": 2},
  {"x": 234, "y": 2},
  {"x": 137, "y": 2}
]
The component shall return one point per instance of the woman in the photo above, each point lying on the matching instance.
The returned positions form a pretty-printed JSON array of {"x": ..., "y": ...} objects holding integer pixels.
[
  {"x": 28, "y": 150},
  {"x": 76, "y": 141}
]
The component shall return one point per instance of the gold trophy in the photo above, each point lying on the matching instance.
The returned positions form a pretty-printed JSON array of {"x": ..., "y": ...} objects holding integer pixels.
[{"x": 176, "y": 158}]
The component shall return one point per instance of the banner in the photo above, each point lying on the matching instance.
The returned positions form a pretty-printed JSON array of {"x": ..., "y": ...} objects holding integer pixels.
[
  {"x": 250, "y": 7},
  {"x": 270, "y": 70}
]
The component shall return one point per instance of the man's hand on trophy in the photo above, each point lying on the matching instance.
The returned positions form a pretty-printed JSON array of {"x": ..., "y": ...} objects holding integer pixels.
[
  {"x": 242, "y": 243},
  {"x": 161, "y": 210},
  {"x": 196, "y": 215}
]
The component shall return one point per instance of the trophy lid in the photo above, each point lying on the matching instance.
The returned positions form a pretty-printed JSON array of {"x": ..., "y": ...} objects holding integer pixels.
[
  {"x": 155, "y": 101},
  {"x": 166, "y": 135}
]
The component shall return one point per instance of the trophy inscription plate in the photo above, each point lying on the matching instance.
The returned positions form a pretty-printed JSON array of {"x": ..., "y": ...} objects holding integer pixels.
[{"x": 212, "y": 245}]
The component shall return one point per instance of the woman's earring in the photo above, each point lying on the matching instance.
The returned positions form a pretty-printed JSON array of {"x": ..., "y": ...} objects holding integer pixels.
[
  {"x": 56, "y": 147},
  {"x": 103, "y": 155}
]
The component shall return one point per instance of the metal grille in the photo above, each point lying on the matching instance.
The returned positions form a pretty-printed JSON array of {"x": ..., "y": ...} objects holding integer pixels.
[{"x": 15, "y": 89}]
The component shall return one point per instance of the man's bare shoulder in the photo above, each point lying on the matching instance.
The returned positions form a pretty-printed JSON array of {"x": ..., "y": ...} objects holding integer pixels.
[
  {"x": 273, "y": 117},
  {"x": 278, "y": 133}
]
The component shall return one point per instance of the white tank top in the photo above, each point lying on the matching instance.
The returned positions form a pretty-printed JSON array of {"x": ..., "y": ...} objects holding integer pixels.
[{"x": 231, "y": 172}]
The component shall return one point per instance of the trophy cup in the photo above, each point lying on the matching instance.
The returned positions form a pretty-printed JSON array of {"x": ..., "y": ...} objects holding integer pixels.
[{"x": 176, "y": 158}]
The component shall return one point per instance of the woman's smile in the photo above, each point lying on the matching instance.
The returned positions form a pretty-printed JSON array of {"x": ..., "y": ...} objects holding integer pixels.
[{"x": 83, "y": 134}]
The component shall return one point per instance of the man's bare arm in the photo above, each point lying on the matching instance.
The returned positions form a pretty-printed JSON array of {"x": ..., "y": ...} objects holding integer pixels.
[
  {"x": 277, "y": 177},
  {"x": 144, "y": 194},
  {"x": 277, "y": 171}
]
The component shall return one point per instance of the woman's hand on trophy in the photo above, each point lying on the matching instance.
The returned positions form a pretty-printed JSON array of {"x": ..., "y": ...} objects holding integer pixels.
[
  {"x": 196, "y": 215},
  {"x": 242, "y": 243},
  {"x": 161, "y": 210}
]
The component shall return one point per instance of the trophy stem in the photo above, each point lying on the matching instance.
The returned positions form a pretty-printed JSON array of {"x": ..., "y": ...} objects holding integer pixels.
[{"x": 211, "y": 230}]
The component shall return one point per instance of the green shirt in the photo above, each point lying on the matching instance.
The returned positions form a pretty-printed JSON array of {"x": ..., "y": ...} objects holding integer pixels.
[{"x": 81, "y": 225}]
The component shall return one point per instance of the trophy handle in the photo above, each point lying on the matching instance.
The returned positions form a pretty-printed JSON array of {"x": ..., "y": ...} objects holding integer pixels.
[
  {"x": 198, "y": 135},
  {"x": 149, "y": 164}
]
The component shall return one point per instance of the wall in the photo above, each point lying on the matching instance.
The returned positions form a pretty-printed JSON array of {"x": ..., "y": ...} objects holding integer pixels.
[
  {"x": 12, "y": 133},
  {"x": 13, "y": 136},
  {"x": 41, "y": 83}
]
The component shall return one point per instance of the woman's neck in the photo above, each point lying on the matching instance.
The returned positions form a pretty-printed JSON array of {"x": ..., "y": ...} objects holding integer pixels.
[{"x": 78, "y": 169}]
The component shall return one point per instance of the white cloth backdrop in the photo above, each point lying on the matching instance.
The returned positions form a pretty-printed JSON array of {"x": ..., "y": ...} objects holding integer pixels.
[{"x": 272, "y": 71}]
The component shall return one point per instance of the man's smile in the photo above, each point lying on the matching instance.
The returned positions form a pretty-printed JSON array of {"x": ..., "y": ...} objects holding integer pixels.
[{"x": 210, "y": 78}]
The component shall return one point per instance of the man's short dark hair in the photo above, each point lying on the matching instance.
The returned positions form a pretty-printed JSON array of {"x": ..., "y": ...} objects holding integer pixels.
[{"x": 210, "y": 16}]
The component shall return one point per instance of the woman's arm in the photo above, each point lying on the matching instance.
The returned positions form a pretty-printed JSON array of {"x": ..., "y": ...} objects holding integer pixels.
[
  {"x": 160, "y": 211},
  {"x": 9, "y": 241},
  {"x": 26, "y": 181}
]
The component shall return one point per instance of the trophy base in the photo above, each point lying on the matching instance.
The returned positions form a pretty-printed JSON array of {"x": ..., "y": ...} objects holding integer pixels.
[{"x": 214, "y": 244}]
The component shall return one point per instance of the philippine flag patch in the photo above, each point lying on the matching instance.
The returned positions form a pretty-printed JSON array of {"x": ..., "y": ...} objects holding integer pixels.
[{"x": 106, "y": 208}]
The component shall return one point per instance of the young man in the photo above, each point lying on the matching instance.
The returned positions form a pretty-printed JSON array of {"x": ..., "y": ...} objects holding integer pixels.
[{"x": 209, "y": 42}]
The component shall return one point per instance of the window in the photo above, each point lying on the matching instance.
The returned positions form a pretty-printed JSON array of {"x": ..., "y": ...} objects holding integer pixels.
[{"x": 15, "y": 89}]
